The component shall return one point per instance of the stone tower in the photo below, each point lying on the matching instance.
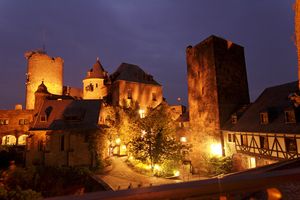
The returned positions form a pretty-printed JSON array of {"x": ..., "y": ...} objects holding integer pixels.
[
  {"x": 217, "y": 86},
  {"x": 94, "y": 83},
  {"x": 40, "y": 68}
]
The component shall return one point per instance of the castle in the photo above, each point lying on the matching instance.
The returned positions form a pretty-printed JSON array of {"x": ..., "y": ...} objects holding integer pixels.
[{"x": 220, "y": 119}]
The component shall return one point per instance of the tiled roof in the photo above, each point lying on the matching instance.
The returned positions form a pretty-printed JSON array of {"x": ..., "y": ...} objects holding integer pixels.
[
  {"x": 273, "y": 100},
  {"x": 67, "y": 114},
  {"x": 133, "y": 73},
  {"x": 97, "y": 71}
]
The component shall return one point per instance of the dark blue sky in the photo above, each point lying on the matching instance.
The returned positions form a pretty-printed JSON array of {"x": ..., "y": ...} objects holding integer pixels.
[{"x": 152, "y": 34}]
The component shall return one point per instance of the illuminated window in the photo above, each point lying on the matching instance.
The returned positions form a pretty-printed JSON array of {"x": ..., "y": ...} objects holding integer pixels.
[
  {"x": 153, "y": 96},
  {"x": 43, "y": 118},
  {"x": 244, "y": 140},
  {"x": 252, "y": 162},
  {"x": 4, "y": 121},
  {"x": 263, "y": 140},
  {"x": 9, "y": 140},
  {"x": 290, "y": 144},
  {"x": 264, "y": 118},
  {"x": 129, "y": 94},
  {"x": 22, "y": 139},
  {"x": 233, "y": 119},
  {"x": 290, "y": 116},
  {"x": 23, "y": 121},
  {"x": 142, "y": 113}
]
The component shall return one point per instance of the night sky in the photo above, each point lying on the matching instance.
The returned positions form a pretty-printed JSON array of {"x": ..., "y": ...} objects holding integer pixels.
[{"x": 152, "y": 34}]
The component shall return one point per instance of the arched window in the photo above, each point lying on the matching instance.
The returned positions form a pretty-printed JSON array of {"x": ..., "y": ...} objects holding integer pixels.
[
  {"x": 9, "y": 140},
  {"x": 22, "y": 139}
]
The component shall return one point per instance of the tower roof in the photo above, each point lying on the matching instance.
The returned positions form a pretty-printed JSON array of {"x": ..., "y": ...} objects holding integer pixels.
[
  {"x": 97, "y": 71},
  {"x": 42, "y": 88}
]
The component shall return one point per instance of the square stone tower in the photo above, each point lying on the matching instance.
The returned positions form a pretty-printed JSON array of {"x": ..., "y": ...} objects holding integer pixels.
[{"x": 217, "y": 87}]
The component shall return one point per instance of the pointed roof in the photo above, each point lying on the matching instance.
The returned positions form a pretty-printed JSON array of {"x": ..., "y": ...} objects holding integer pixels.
[
  {"x": 97, "y": 71},
  {"x": 42, "y": 88}
]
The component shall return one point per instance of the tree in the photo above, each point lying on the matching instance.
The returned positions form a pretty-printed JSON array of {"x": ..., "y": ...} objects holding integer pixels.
[{"x": 157, "y": 141}]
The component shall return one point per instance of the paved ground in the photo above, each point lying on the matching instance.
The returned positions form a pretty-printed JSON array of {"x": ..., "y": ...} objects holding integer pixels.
[{"x": 122, "y": 177}]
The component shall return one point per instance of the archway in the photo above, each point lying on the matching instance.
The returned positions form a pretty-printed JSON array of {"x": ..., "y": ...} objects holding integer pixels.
[{"x": 9, "y": 140}]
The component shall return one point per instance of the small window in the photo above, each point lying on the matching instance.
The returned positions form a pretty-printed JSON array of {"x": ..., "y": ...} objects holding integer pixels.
[
  {"x": 96, "y": 85},
  {"x": 62, "y": 143},
  {"x": 233, "y": 119},
  {"x": 23, "y": 121},
  {"x": 4, "y": 121},
  {"x": 142, "y": 113},
  {"x": 129, "y": 94},
  {"x": 244, "y": 140},
  {"x": 264, "y": 118},
  {"x": 290, "y": 144},
  {"x": 263, "y": 140},
  {"x": 43, "y": 118},
  {"x": 290, "y": 116},
  {"x": 154, "y": 96},
  {"x": 89, "y": 87},
  {"x": 47, "y": 143},
  {"x": 229, "y": 137}
]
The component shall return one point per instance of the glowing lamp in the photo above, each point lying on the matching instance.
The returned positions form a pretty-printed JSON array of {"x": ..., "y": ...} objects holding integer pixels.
[
  {"x": 176, "y": 173},
  {"x": 157, "y": 167},
  {"x": 142, "y": 113},
  {"x": 183, "y": 139},
  {"x": 118, "y": 141},
  {"x": 216, "y": 149}
]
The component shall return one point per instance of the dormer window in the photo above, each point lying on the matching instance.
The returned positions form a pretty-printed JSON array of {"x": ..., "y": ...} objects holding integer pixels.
[
  {"x": 264, "y": 118},
  {"x": 233, "y": 119},
  {"x": 289, "y": 116},
  {"x": 43, "y": 118}
]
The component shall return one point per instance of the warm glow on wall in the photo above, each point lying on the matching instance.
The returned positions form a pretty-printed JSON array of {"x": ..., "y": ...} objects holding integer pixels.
[
  {"x": 142, "y": 113},
  {"x": 118, "y": 141},
  {"x": 183, "y": 139},
  {"x": 216, "y": 149}
]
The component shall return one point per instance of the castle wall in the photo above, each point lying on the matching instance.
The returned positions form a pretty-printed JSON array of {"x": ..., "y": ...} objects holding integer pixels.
[
  {"x": 139, "y": 92},
  {"x": 40, "y": 68}
]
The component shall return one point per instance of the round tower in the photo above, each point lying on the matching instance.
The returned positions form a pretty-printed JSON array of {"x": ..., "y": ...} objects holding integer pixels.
[
  {"x": 41, "y": 67},
  {"x": 94, "y": 83}
]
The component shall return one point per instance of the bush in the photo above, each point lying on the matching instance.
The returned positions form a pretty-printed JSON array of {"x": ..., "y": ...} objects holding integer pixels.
[{"x": 219, "y": 165}]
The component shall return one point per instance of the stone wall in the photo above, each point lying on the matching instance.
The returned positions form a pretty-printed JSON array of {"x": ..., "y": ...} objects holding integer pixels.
[{"x": 217, "y": 86}]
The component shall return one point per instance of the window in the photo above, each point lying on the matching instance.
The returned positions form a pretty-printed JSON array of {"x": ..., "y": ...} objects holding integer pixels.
[
  {"x": 9, "y": 140},
  {"x": 89, "y": 87},
  {"x": 263, "y": 140},
  {"x": 231, "y": 137},
  {"x": 40, "y": 145},
  {"x": 153, "y": 96},
  {"x": 234, "y": 119},
  {"x": 4, "y": 121},
  {"x": 290, "y": 116},
  {"x": 43, "y": 118},
  {"x": 264, "y": 118},
  {"x": 129, "y": 94},
  {"x": 142, "y": 113},
  {"x": 244, "y": 140},
  {"x": 22, "y": 139},
  {"x": 62, "y": 143},
  {"x": 23, "y": 121},
  {"x": 290, "y": 144}
]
